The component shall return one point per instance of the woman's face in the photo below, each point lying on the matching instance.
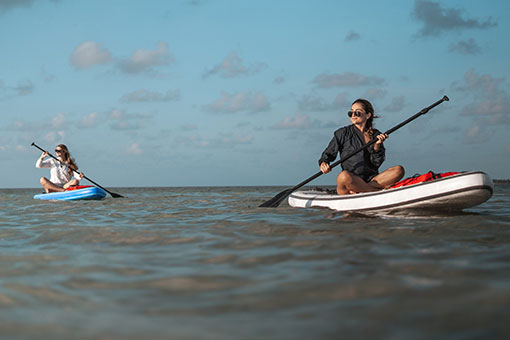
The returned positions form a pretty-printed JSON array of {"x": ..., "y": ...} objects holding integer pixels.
[
  {"x": 359, "y": 115},
  {"x": 60, "y": 152}
]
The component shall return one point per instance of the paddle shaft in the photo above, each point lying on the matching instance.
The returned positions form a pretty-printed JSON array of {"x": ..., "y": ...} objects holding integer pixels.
[
  {"x": 79, "y": 173},
  {"x": 275, "y": 201}
]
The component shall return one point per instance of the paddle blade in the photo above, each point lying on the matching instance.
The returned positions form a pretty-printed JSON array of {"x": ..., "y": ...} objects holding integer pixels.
[
  {"x": 275, "y": 201},
  {"x": 114, "y": 195}
]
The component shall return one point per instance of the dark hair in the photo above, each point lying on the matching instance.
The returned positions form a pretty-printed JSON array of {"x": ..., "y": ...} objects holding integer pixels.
[
  {"x": 367, "y": 106},
  {"x": 68, "y": 159}
]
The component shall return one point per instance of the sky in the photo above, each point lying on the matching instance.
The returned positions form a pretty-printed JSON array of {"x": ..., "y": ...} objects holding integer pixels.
[{"x": 248, "y": 93}]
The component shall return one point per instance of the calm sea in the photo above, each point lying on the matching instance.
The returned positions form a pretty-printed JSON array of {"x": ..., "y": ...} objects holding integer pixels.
[{"x": 207, "y": 263}]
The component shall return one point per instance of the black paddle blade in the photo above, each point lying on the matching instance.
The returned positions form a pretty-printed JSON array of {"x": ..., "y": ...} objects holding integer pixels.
[
  {"x": 114, "y": 195},
  {"x": 275, "y": 201}
]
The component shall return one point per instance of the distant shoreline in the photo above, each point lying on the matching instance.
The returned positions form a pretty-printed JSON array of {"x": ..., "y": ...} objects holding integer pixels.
[{"x": 500, "y": 181}]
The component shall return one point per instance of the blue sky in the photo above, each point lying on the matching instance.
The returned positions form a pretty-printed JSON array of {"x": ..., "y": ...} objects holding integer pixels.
[{"x": 217, "y": 92}]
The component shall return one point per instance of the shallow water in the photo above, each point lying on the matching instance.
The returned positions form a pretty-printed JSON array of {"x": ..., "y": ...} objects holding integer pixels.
[{"x": 195, "y": 263}]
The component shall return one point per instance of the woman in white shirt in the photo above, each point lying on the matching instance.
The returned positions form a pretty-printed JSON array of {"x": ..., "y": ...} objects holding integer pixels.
[{"x": 61, "y": 173}]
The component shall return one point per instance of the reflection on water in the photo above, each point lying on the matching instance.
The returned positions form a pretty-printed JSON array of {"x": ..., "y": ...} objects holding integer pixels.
[{"x": 197, "y": 263}]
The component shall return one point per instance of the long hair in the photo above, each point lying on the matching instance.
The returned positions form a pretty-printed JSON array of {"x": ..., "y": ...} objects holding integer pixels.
[
  {"x": 66, "y": 156},
  {"x": 367, "y": 106}
]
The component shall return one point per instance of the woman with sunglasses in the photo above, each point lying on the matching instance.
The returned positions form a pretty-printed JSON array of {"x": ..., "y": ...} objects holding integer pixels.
[
  {"x": 61, "y": 173},
  {"x": 361, "y": 171}
]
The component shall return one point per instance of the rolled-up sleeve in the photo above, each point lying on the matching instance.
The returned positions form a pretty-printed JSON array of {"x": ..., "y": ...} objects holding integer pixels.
[
  {"x": 331, "y": 151},
  {"x": 42, "y": 164},
  {"x": 377, "y": 157}
]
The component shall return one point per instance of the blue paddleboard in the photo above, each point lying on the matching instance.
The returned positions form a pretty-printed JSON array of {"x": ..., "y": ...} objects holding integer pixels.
[{"x": 88, "y": 193}]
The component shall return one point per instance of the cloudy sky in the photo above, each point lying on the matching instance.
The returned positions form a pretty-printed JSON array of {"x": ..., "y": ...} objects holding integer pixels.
[{"x": 220, "y": 92}]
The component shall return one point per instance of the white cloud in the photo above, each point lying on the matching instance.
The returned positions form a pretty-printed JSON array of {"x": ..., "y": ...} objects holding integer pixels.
[
  {"x": 89, "y": 121},
  {"x": 122, "y": 120},
  {"x": 221, "y": 141},
  {"x": 374, "y": 93},
  {"x": 24, "y": 88},
  {"x": 6, "y": 5},
  {"x": 437, "y": 19},
  {"x": 469, "y": 46},
  {"x": 134, "y": 149},
  {"x": 397, "y": 104},
  {"x": 279, "y": 79},
  {"x": 54, "y": 137},
  {"x": 300, "y": 121},
  {"x": 90, "y": 53},
  {"x": 149, "y": 96},
  {"x": 346, "y": 79},
  {"x": 47, "y": 77},
  {"x": 490, "y": 100},
  {"x": 476, "y": 134},
  {"x": 232, "y": 66},
  {"x": 58, "y": 121},
  {"x": 145, "y": 60},
  {"x": 312, "y": 103},
  {"x": 239, "y": 102}
]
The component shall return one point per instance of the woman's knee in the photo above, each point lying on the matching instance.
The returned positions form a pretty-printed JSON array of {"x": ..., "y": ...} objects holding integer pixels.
[
  {"x": 398, "y": 172},
  {"x": 344, "y": 176},
  {"x": 43, "y": 180},
  {"x": 71, "y": 183},
  {"x": 399, "y": 169}
]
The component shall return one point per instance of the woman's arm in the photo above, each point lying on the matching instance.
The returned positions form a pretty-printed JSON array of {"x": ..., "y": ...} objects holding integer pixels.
[
  {"x": 41, "y": 163},
  {"x": 378, "y": 154},
  {"x": 330, "y": 153}
]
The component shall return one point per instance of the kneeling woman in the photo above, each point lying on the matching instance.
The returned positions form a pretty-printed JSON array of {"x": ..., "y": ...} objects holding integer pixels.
[
  {"x": 61, "y": 173},
  {"x": 361, "y": 171}
]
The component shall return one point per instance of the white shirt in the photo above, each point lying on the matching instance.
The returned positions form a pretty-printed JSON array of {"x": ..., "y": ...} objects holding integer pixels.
[{"x": 58, "y": 172}]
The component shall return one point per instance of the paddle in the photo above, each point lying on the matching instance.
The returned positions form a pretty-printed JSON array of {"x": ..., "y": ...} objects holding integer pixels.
[
  {"x": 275, "y": 201},
  {"x": 79, "y": 173}
]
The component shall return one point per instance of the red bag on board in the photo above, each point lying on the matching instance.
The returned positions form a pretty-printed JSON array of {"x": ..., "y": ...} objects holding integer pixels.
[
  {"x": 76, "y": 187},
  {"x": 429, "y": 176}
]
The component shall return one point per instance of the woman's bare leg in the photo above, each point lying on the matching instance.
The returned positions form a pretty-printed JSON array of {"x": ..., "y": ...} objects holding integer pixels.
[
  {"x": 71, "y": 183},
  {"x": 49, "y": 186},
  {"x": 348, "y": 183},
  {"x": 388, "y": 177}
]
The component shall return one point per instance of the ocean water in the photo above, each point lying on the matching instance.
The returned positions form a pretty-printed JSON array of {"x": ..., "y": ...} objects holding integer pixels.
[{"x": 207, "y": 263}]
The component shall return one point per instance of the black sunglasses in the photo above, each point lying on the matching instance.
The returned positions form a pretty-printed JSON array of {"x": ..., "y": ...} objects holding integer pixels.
[
  {"x": 60, "y": 150},
  {"x": 356, "y": 113}
]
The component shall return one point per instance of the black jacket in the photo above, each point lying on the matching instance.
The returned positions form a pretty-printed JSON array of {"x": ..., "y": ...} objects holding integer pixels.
[{"x": 365, "y": 163}]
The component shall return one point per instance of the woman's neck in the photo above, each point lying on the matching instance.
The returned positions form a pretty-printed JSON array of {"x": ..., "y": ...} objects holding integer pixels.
[{"x": 360, "y": 126}]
